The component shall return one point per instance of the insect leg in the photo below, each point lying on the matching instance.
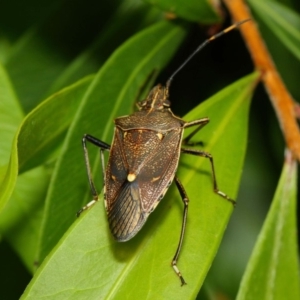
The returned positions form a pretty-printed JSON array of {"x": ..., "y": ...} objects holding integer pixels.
[
  {"x": 185, "y": 200},
  {"x": 103, "y": 146},
  {"x": 209, "y": 156},
  {"x": 199, "y": 123}
]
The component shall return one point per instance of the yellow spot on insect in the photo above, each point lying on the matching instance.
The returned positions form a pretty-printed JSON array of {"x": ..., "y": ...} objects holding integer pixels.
[
  {"x": 159, "y": 135},
  {"x": 113, "y": 177},
  {"x": 131, "y": 177},
  {"x": 155, "y": 179}
]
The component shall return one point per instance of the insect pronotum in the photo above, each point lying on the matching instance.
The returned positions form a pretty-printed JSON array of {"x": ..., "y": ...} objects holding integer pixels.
[{"x": 143, "y": 160}]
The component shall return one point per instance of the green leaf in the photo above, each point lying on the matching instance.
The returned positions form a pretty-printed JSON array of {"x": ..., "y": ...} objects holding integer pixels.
[
  {"x": 116, "y": 86},
  {"x": 10, "y": 116},
  {"x": 273, "y": 269},
  {"x": 43, "y": 52},
  {"x": 116, "y": 31},
  {"x": 48, "y": 121},
  {"x": 4, "y": 48},
  {"x": 191, "y": 10},
  {"x": 21, "y": 218},
  {"x": 88, "y": 264},
  {"x": 33, "y": 64},
  {"x": 284, "y": 23}
]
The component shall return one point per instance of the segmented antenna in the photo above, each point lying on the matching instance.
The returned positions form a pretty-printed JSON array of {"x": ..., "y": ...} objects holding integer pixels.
[{"x": 235, "y": 25}]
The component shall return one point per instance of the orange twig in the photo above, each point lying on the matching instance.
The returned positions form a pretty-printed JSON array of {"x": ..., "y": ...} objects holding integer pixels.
[{"x": 282, "y": 101}]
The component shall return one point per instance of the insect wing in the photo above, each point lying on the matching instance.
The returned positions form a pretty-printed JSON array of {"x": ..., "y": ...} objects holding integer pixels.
[
  {"x": 136, "y": 151},
  {"x": 126, "y": 216},
  {"x": 123, "y": 201},
  {"x": 158, "y": 173}
]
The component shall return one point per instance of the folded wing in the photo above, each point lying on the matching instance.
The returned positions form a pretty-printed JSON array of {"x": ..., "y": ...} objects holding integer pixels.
[{"x": 126, "y": 216}]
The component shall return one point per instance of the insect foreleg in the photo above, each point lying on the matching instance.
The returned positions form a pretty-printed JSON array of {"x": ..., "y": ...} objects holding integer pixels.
[
  {"x": 103, "y": 147},
  {"x": 209, "y": 156},
  {"x": 199, "y": 123},
  {"x": 185, "y": 200}
]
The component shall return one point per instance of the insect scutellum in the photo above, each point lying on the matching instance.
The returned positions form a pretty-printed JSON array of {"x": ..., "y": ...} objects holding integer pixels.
[{"x": 143, "y": 159}]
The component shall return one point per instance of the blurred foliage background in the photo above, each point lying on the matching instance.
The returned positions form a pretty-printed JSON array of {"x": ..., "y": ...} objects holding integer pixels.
[{"x": 45, "y": 38}]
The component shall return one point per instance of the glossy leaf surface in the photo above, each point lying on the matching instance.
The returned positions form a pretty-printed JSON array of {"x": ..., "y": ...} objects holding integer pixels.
[
  {"x": 47, "y": 121},
  {"x": 111, "y": 94},
  {"x": 283, "y": 22},
  {"x": 273, "y": 269},
  {"x": 87, "y": 263}
]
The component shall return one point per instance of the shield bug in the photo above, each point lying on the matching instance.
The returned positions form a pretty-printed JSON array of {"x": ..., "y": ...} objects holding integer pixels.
[{"x": 143, "y": 160}]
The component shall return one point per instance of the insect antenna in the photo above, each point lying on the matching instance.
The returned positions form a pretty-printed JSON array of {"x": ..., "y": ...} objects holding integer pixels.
[{"x": 200, "y": 47}]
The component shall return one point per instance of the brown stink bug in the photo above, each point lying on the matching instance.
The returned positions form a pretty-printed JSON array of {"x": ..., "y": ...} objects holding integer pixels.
[{"x": 143, "y": 160}]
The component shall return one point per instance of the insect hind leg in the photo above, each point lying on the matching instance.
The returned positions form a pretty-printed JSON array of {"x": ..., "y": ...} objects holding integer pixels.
[
  {"x": 209, "y": 156},
  {"x": 103, "y": 147},
  {"x": 185, "y": 201}
]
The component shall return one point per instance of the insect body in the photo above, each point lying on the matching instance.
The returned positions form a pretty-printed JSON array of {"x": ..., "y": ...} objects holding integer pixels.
[{"x": 142, "y": 164}]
